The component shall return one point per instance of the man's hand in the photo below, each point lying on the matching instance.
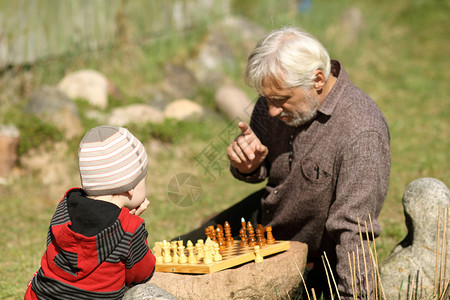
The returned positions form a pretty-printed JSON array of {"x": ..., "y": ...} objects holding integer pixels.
[
  {"x": 246, "y": 152},
  {"x": 141, "y": 208}
]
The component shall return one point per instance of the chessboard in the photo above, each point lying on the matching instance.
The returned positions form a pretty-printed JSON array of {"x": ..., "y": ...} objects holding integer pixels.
[
  {"x": 219, "y": 251},
  {"x": 233, "y": 256}
]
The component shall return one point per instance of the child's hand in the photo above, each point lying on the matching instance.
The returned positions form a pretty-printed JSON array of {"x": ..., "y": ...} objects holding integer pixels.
[{"x": 139, "y": 210}]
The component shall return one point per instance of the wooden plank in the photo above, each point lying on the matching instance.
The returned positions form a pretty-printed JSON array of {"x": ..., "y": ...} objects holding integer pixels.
[{"x": 232, "y": 256}]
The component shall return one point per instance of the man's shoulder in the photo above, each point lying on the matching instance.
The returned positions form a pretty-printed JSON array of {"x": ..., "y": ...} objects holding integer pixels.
[{"x": 356, "y": 107}]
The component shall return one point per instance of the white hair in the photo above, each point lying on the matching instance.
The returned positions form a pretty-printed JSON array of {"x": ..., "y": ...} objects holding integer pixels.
[{"x": 288, "y": 57}]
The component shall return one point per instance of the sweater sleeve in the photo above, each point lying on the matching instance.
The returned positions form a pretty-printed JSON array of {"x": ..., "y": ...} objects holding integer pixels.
[
  {"x": 361, "y": 189},
  {"x": 255, "y": 177},
  {"x": 140, "y": 263}
]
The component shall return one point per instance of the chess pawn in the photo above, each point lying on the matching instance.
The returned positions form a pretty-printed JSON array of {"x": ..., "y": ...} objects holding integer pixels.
[
  {"x": 262, "y": 232},
  {"x": 200, "y": 253},
  {"x": 212, "y": 233},
  {"x": 227, "y": 228},
  {"x": 260, "y": 238},
  {"x": 207, "y": 259},
  {"x": 190, "y": 248},
  {"x": 270, "y": 239},
  {"x": 220, "y": 239},
  {"x": 228, "y": 238},
  {"x": 249, "y": 225},
  {"x": 182, "y": 259},
  {"x": 157, "y": 251},
  {"x": 166, "y": 249},
  {"x": 251, "y": 236},
  {"x": 208, "y": 232},
  {"x": 175, "y": 257},
  {"x": 172, "y": 244},
  {"x": 258, "y": 257},
  {"x": 217, "y": 255},
  {"x": 243, "y": 235}
]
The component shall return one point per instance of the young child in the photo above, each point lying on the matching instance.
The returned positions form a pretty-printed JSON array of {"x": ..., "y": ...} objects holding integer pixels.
[{"x": 97, "y": 243}]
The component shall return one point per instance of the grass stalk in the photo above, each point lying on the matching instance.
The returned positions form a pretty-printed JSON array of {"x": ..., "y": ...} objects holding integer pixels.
[
  {"x": 351, "y": 275},
  {"x": 445, "y": 248},
  {"x": 416, "y": 289},
  {"x": 442, "y": 254},
  {"x": 332, "y": 275},
  {"x": 410, "y": 288},
  {"x": 437, "y": 255},
  {"x": 379, "y": 283},
  {"x": 303, "y": 279},
  {"x": 359, "y": 270},
  {"x": 328, "y": 278},
  {"x": 354, "y": 275},
  {"x": 364, "y": 257},
  {"x": 314, "y": 294},
  {"x": 371, "y": 262},
  {"x": 445, "y": 290}
]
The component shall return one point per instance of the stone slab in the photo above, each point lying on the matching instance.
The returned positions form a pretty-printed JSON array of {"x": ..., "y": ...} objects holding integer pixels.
[{"x": 277, "y": 277}]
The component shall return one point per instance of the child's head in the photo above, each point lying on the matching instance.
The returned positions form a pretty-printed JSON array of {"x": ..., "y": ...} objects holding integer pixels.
[{"x": 111, "y": 161}]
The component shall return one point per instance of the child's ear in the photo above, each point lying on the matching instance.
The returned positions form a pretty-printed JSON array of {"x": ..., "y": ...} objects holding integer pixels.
[{"x": 130, "y": 193}]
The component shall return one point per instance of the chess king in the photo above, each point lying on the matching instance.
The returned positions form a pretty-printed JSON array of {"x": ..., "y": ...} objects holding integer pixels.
[{"x": 321, "y": 143}]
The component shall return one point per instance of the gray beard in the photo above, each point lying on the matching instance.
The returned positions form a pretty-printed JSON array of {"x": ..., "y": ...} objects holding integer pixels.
[{"x": 300, "y": 119}]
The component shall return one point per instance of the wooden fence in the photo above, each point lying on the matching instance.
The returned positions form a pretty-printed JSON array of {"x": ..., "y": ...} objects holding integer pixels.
[{"x": 34, "y": 29}]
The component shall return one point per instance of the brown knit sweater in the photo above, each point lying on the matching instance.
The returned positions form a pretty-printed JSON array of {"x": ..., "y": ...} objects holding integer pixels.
[{"x": 324, "y": 176}]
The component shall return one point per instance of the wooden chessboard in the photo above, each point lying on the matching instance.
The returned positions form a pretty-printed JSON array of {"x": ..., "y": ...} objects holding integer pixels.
[{"x": 233, "y": 256}]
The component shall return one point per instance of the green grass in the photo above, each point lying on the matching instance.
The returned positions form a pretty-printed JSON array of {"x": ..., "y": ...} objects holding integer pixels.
[{"x": 399, "y": 58}]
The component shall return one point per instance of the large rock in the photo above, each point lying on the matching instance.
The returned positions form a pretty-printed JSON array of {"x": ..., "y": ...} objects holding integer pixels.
[
  {"x": 9, "y": 140},
  {"x": 277, "y": 277},
  {"x": 52, "y": 105},
  {"x": 88, "y": 85},
  {"x": 241, "y": 32},
  {"x": 56, "y": 167},
  {"x": 135, "y": 113},
  {"x": 414, "y": 259},
  {"x": 234, "y": 103},
  {"x": 183, "y": 109},
  {"x": 224, "y": 49},
  {"x": 146, "y": 292},
  {"x": 179, "y": 82}
]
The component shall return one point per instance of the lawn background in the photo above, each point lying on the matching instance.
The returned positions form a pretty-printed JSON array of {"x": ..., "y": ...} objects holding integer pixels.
[{"x": 400, "y": 58}]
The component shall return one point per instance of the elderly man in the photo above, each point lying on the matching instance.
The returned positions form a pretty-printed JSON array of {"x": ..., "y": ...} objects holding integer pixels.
[{"x": 323, "y": 146}]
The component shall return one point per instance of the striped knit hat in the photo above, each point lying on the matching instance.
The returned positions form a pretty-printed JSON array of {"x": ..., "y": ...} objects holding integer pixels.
[{"x": 111, "y": 161}]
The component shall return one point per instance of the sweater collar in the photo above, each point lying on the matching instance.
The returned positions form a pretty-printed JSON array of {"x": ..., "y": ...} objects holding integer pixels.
[{"x": 329, "y": 104}]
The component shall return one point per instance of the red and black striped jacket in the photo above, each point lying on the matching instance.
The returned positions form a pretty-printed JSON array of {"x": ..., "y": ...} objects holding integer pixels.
[{"x": 94, "y": 250}]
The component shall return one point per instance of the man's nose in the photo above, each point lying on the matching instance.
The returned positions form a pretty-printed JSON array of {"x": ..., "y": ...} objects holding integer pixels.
[{"x": 274, "y": 110}]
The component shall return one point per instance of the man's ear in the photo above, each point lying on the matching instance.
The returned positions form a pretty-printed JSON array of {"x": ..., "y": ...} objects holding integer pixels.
[{"x": 319, "y": 80}]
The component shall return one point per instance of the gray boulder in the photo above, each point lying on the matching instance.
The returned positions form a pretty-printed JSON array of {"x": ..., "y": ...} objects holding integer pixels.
[
  {"x": 135, "y": 113},
  {"x": 50, "y": 104},
  {"x": 89, "y": 85},
  {"x": 224, "y": 49},
  {"x": 184, "y": 109},
  {"x": 414, "y": 259},
  {"x": 277, "y": 277},
  {"x": 147, "y": 291},
  {"x": 234, "y": 103},
  {"x": 179, "y": 82},
  {"x": 9, "y": 141}
]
